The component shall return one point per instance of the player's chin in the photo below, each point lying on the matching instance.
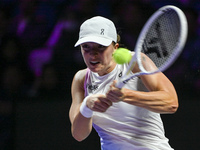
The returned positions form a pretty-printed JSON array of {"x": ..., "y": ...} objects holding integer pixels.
[{"x": 95, "y": 67}]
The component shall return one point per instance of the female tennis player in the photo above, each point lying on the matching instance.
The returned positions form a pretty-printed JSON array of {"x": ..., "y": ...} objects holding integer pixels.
[{"x": 126, "y": 118}]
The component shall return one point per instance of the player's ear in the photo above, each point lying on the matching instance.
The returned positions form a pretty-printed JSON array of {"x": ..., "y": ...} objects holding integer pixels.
[{"x": 116, "y": 46}]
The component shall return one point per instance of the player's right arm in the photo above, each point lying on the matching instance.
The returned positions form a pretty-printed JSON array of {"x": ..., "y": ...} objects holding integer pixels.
[{"x": 81, "y": 127}]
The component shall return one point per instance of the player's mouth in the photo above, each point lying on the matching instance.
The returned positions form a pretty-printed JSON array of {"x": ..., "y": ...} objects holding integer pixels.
[{"x": 93, "y": 63}]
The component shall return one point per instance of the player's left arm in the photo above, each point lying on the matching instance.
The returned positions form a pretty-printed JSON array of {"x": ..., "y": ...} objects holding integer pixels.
[{"x": 161, "y": 98}]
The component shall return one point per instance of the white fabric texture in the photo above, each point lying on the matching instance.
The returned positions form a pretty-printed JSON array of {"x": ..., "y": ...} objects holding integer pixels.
[{"x": 124, "y": 126}]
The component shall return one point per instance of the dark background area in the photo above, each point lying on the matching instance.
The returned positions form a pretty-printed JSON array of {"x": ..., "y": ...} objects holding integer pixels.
[{"x": 38, "y": 61}]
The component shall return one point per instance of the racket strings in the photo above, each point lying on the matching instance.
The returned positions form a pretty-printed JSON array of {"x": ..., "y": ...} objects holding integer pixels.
[{"x": 162, "y": 38}]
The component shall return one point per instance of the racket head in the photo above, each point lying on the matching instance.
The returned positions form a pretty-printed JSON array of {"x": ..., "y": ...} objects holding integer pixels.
[{"x": 162, "y": 38}]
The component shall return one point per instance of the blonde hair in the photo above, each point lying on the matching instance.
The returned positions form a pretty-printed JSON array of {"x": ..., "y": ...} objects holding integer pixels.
[{"x": 118, "y": 39}]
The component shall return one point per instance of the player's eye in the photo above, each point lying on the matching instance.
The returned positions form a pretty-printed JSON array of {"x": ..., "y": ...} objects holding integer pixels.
[
  {"x": 101, "y": 47},
  {"x": 85, "y": 47}
]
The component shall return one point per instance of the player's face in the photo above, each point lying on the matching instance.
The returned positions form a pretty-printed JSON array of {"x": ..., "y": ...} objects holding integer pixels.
[{"x": 98, "y": 58}]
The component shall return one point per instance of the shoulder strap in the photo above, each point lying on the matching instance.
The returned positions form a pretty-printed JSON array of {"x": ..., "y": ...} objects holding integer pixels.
[{"x": 85, "y": 82}]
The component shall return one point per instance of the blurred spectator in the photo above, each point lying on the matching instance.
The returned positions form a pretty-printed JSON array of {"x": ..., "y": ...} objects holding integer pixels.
[
  {"x": 12, "y": 89},
  {"x": 13, "y": 83},
  {"x": 12, "y": 52},
  {"x": 37, "y": 58},
  {"x": 4, "y": 21},
  {"x": 132, "y": 16},
  {"x": 59, "y": 48},
  {"x": 85, "y": 9},
  {"x": 47, "y": 86},
  {"x": 185, "y": 71},
  {"x": 31, "y": 27},
  {"x": 192, "y": 49},
  {"x": 65, "y": 56}
]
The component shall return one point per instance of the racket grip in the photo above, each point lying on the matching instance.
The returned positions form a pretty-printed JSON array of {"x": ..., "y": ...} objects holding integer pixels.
[{"x": 119, "y": 84}]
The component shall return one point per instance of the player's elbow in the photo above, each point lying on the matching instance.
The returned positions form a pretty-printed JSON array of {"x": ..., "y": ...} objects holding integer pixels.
[
  {"x": 173, "y": 108},
  {"x": 78, "y": 137}
]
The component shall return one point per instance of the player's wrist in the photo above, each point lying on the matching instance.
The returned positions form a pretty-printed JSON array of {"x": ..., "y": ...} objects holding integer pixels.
[{"x": 84, "y": 110}]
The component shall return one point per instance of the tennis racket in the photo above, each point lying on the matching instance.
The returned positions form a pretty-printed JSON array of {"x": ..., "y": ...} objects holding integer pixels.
[{"x": 161, "y": 39}]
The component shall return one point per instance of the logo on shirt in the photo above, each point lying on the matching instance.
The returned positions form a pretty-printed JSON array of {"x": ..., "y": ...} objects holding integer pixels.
[
  {"x": 120, "y": 74},
  {"x": 92, "y": 88}
]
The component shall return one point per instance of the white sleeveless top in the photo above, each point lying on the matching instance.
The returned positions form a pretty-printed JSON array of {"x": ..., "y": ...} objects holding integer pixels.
[{"x": 124, "y": 126}]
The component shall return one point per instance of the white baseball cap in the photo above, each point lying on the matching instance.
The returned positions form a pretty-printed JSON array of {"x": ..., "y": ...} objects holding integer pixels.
[{"x": 98, "y": 30}]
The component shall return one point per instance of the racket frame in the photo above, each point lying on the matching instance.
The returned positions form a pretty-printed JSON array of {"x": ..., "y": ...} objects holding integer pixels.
[{"x": 136, "y": 58}]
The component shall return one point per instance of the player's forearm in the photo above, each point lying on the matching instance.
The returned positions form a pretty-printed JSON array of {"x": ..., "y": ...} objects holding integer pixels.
[
  {"x": 158, "y": 101},
  {"x": 81, "y": 127}
]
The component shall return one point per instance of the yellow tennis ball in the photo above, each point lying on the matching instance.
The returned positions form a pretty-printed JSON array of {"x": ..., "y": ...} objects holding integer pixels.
[{"x": 122, "y": 55}]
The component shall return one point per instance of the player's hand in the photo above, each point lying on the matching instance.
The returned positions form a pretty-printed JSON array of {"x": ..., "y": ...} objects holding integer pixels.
[
  {"x": 98, "y": 102},
  {"x": 115, "y": 94}
]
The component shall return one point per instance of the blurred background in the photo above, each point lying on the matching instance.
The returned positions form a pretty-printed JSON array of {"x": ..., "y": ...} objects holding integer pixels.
[{"x": 38, "y": 61}]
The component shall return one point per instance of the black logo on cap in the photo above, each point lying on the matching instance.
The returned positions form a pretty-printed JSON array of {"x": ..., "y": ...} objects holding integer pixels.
[{"x": 102, "y": 31}]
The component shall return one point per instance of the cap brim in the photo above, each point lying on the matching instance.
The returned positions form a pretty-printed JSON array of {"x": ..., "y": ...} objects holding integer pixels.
[{"x": 95, "y": 39}]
